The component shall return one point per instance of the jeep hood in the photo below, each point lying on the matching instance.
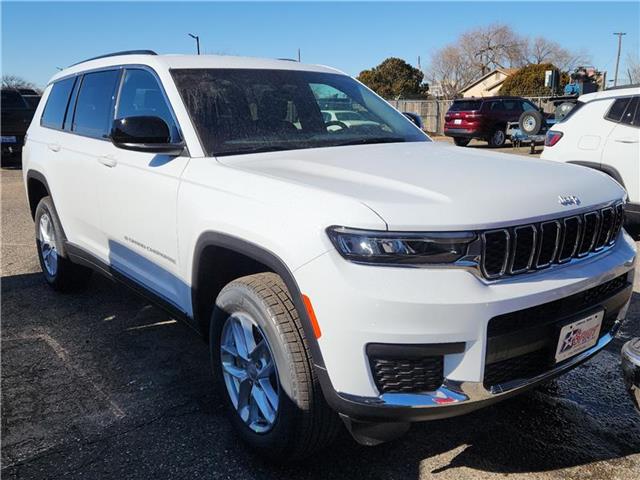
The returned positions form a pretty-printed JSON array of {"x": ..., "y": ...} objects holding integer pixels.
[{"x": 434, "y": 186}]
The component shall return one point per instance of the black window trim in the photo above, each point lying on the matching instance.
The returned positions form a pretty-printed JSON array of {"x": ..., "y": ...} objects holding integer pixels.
[
  {"x": 619, "y": 122},
  {"x": 153, "y": 73},
  {"x": 122, "y": 68},
  {"x": 66, "y": 111}
]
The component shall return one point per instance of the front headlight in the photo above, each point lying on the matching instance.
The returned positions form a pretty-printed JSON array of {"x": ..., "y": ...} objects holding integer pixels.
[{"x": 400, "y": 248}]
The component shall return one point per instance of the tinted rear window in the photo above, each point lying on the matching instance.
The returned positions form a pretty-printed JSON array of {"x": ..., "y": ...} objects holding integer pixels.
[
  {"x": 56, "y": 107},
  {"x": 464, "y": 105},
  {"x": 617, "y": 109},
  {"x": 12, "y": 100},
  {"x": 94, "y": 108}
]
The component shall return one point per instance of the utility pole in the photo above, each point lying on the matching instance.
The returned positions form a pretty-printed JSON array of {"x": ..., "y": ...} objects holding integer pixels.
[
  {"x": 619, "y": 34},
  {"x": 298, "y": 55},
  {"x": 419, "y": 66},
  {"x": 197, "y": 39}
]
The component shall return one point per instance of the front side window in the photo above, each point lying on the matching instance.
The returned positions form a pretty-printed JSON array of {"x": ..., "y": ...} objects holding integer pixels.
[
  {"x": 527, "y": 107},
  {"x": 141, "y": 95},
  {"x": 238, "y": 111},
  {"x": 94, "y": 107},
  {"x": 617, "y": 109},
  {"x": 56, "y": 107}
]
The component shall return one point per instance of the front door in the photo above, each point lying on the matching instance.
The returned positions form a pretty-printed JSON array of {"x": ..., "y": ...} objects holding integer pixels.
[{"x": 138, "y": 196}]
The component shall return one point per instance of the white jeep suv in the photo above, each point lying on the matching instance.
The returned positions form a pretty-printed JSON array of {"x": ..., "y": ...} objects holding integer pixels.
[
  {"x": 361, "y": 272},
  {"x": 603, "y": 132}
]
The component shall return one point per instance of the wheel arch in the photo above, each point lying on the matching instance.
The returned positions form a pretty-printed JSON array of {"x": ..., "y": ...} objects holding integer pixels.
[
  {"x": 220, "y": 258},
  {"x": 37, "y": 189}
]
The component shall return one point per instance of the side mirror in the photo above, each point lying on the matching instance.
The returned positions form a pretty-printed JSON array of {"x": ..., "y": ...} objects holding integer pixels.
[
  {"x": 415, "y": 118},
  {"x": 144, "y": 134}
]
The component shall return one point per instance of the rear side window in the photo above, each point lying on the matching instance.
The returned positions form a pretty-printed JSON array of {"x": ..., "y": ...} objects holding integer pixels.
[
  {"x": 141, "y": 95},
  {"x": 631, "y": 113},
  {"x": 12, "y": 100},
  {"x": 617, "y": 109},
  {"x": 464, "y": 105},
  {"x": 94, "y": 107},
  {"x": 56, "y": 107}
]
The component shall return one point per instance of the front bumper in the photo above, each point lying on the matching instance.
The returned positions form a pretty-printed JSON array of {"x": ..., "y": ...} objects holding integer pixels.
[{"x": 360, "y": 305}]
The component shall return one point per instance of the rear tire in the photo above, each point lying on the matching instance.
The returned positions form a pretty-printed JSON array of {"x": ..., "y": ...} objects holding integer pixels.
[
  {"x": 303, "y": 422},
  {"x": 461, "y": 142},
  {"x": 498, "y": 138},
  {"x": 60, "y": 273}
]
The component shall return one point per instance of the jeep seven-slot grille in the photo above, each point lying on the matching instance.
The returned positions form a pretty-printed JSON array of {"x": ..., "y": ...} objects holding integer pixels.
[{"x": 523, "y": 248}]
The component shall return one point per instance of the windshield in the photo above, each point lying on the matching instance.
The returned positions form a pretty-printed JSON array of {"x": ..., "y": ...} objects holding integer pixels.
[
  {"x": 238, "y": 111},
  {"x": 465, "y": 105}
]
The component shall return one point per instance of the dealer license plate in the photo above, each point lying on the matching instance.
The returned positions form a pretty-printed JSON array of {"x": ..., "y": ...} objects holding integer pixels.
[
  {"x": 7, "y": 139},
  {"x": 579, "y": 336}
]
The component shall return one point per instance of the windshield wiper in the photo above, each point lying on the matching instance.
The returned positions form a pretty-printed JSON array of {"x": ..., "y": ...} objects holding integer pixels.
[
  {"x": 370, "y": 140},
  {"x": 257, "y": 149}
]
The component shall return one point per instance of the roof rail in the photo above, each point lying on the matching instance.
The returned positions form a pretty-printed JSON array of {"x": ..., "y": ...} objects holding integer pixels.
[
  {"x": 620, "y": 87},
  {"x": 115, "y": 54}
]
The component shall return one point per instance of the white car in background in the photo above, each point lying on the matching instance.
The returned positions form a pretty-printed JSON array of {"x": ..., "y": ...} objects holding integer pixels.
[
  {"x": 348, "y": 118},
  {"x": 603, "y": 132}
]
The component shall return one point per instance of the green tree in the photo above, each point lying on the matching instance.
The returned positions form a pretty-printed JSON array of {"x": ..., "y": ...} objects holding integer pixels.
[
  {"x": 394, "y": 78},
  {"x": 529, "y": 81}
]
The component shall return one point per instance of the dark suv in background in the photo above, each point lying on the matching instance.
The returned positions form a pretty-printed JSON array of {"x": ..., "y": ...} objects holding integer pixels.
[
  {"x": 483, "y": 118},
  {"x": 17, "y": 112}
]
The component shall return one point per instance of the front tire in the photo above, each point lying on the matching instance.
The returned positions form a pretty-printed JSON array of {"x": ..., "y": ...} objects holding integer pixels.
[
  {"x": 262, "y": 365},
  {"x": 60, "y": 273}
]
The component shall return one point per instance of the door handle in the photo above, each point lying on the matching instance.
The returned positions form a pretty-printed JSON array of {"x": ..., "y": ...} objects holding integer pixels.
[
  {"x": 54, "y": 147},
  {"x": 626, "y": 140},
  {"x": 108, "y": 160}
]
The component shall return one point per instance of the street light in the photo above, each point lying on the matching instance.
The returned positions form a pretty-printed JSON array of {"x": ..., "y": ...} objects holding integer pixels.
[{"x": 197, "y": 39}]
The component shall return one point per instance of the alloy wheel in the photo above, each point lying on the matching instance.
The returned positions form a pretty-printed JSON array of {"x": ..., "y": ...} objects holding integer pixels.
[
  {"x": 48, "y": 246},
  {"x": 249, "y": 372}
]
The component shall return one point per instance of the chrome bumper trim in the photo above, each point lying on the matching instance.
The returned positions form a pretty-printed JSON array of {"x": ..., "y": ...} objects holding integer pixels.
[{"x": 454, "y": 392}]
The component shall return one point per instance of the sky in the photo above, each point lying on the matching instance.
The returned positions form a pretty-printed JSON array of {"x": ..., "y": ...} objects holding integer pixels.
[{"x": 37, "y": 38}]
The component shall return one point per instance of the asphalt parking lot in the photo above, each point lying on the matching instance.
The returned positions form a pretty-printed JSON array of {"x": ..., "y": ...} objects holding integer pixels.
[{"x": 103, "y": 385}]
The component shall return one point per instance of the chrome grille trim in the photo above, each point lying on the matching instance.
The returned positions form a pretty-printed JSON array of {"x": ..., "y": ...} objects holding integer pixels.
[
  {"x": 605, "y": 222},
  {"x": 555, "y": 249},
  {"x": 573, "y": 248},
  {"x": 590, "y": 243},
  {"x": 506, "y": 254},
  {"x": 515, "y": 248}
]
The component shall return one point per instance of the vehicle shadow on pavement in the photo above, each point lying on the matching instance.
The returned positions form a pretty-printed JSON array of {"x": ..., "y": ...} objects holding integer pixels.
[{"x": 102, "y": 385}]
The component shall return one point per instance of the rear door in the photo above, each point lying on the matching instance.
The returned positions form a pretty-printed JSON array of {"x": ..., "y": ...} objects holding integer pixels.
[
  {"x": 67, "y": 159},
  {"x": 622, "y": 147},
  {"x": 138, "y": 194}
]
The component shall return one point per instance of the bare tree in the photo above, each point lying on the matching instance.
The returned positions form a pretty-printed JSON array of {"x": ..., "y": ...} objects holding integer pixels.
[
  {"x": 478, "y": 51},
  {"x": 633, "y": 68},
  {"x": 541, "y": 50},
  {"x": 14, "y": 81},
  {"x": 451, "y": 69},
  {"x": 474, "y": 54},
  {"x": 493, "y": 46}
]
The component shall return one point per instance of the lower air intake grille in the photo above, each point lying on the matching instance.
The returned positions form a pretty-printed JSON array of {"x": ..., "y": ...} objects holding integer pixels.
[{"x": 408, "y": 375}]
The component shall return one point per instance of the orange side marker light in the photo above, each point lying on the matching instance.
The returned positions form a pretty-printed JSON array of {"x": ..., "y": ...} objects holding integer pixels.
[{"x": 312, "y": 316}]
